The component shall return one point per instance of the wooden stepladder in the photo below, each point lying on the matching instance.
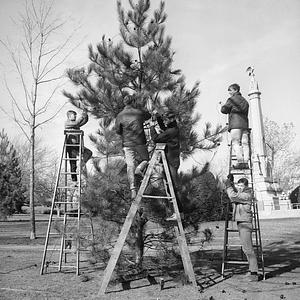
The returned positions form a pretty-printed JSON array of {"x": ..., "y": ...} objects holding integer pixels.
[
  {"x": 158, "y": 155},
  {"x": 69, "y": 228},
  {"x": 230, "y": 227}
]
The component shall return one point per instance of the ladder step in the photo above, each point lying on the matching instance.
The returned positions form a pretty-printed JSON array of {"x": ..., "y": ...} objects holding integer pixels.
[
  {"x": 68, "y": 187},
  {"x": 237, "y": 262},
  {"x": 65, "y": 202},
  {"x": 69, "y": 173},
  {"x": 66, "y": 158},
  {"x": 238, "y": 245},
  {"x": 157, "y": 197},
  {"x": 236, "y": 230}
]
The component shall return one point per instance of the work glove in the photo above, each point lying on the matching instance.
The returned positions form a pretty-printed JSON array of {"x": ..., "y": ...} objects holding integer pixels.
[{"x": 229, "y": 181}]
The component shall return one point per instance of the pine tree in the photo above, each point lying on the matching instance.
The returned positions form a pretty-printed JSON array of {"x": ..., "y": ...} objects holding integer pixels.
[
  {"x": 139, "y": 66},
  {"x": 11, "y": 189}
]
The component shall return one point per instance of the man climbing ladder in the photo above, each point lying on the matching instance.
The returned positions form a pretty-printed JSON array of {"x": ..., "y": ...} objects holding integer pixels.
[{"x": 245, "y": 214}]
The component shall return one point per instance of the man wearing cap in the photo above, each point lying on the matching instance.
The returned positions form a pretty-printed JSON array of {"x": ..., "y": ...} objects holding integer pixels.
[
  {"x": 130, "y": 126},
  {"x": 73, "y": 123},
  {"x": 170, "y": 136}
]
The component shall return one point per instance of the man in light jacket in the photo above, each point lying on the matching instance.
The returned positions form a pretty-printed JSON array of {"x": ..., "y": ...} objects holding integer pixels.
[
  {"x": 242, "y": 197},
  {"x": 237, "y": 109}
]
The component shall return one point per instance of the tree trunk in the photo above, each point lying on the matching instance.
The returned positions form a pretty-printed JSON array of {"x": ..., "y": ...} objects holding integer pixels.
[{"x": 31, "y": 184}]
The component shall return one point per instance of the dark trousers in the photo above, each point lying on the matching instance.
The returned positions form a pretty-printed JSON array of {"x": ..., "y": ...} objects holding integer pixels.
[
  {"x": 73, "y": 152},
  {"x": 175, "y": 181}
]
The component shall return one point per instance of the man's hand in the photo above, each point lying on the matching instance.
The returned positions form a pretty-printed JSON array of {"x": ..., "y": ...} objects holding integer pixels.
[
  {"x": 230, "y": 177},
  {"x": 229, "y": 181}
]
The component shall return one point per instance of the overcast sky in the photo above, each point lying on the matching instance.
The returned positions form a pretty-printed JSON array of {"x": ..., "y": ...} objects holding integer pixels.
[{"x": 215, "y": 41}]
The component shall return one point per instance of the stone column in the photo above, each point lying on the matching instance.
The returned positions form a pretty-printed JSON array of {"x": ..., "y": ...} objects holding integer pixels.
[
  {"x": 256, "y": 120},
  {"x": 265, "y": 193}
]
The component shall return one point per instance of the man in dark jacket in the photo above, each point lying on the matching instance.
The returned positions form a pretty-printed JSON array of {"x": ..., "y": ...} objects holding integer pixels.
[
  {"x": 242, "y": 197},
  {"x": 237, "y": 109},
  {"x": 73, "y": 123},
  {"x": 130, "y": 126},
  {"x": 170, "y": 136}
]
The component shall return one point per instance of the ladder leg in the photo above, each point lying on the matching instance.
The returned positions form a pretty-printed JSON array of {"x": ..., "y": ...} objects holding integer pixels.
[
  {"x": 119, "y": 245},
  {"x": 184, "y": 251}
]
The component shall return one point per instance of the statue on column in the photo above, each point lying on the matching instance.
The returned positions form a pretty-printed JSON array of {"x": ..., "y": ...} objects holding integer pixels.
[{"x": 253, "y": 86}]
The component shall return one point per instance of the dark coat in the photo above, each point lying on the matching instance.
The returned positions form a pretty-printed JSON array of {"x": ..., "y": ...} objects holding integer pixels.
[
  {"x": 130, "y": 125},
  {"x": 295, "y": 195},
  {"x": 237, "y": 108},
  {"x": 69, "y": 125},
  {"x": 170, "y": 136}
]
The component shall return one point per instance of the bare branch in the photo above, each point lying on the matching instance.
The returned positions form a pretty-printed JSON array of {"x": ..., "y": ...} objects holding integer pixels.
[
  {"x": 51, "y": 118},
  {"x": 42, "y": 109},
  {"x": 15, "y": 120},
  {"x": 52, "y": 79},
  {"x": 14, "y": 101},
  {"x": 59, "y": 49}
]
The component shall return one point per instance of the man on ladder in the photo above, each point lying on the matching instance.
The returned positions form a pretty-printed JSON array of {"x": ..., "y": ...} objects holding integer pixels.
[
  {"x": 237, "y": 109},
  {"x": 73, "y": 123},
  {"x": 170, "y": 136},
  {"x": 130, "y": 126},
  {"x": 242, "y": 197}
]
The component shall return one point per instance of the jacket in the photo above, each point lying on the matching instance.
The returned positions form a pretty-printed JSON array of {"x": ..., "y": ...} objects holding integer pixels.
[
  {"x": 237, "y": 108},
  {"x": 82, "y": 120},
  {"x": 242, "y": 203},
  {"x": 130, "y": 125},
  {"x": 170, "y": 136}
]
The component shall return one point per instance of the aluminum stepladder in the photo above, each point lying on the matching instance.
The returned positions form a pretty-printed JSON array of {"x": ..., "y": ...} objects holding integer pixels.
[
  {"x": 69, "y": 228},
  {"x": 257, "y": 243},
  {"x": 158, "y": 154}
]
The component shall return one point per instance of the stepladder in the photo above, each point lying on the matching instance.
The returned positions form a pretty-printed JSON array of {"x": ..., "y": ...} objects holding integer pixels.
[
  {"x": 70, "y": 228},
  {"x": 232, "y": 241},
  {"x": 169, "y": 194}
]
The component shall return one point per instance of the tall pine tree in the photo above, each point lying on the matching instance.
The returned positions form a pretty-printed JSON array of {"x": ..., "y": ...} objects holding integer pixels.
[
  {"x": 139, "y": 65},
  {"x": 12, "y": 192}
]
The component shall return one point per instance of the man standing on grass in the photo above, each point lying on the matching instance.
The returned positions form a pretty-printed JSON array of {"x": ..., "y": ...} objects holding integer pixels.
[{"x": 242, "y": 197}]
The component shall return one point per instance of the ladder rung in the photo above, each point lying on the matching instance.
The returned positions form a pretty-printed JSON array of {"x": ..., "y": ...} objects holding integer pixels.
[
  {"x": 69, "y": 173},
  {"x": 69, "y": 266},
  {"x": 65, "y": 202},
  {"x": 66, "y": 158},
  {"x": 68, "y": 187},
  {"x": 236, "y": 230},
  {"x": 157, "y": 197},
  {"x": 233, "y": 245},
  {"x": 237, "y": 262}
]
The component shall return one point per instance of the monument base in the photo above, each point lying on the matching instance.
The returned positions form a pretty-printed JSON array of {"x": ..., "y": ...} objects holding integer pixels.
[{"x": 270, "y": 206}]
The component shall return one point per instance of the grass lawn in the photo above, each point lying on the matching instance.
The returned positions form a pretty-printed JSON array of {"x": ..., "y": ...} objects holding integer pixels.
[{"x": 21, "y": 259}]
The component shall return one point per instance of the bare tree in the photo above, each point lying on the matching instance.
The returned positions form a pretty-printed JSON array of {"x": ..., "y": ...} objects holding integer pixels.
[{"x": 39, "y": 63}]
